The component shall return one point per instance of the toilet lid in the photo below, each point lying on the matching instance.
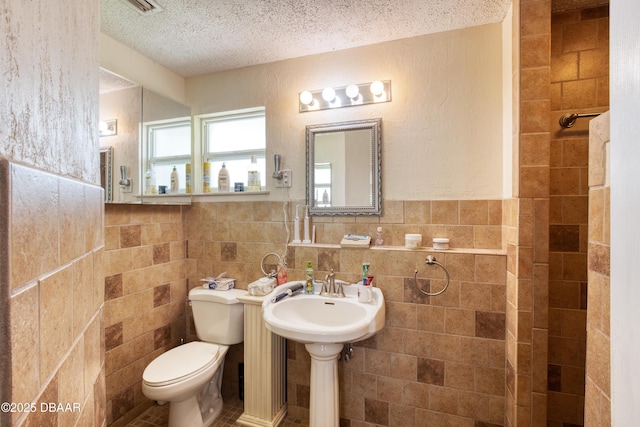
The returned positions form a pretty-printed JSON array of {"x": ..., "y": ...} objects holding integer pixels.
[{"x": 180, "y": 363}]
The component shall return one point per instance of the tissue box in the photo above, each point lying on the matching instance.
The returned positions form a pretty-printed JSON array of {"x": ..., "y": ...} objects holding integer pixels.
[
  {"x": 221, "y": 284},
  {"x": 262, "y": 286}
]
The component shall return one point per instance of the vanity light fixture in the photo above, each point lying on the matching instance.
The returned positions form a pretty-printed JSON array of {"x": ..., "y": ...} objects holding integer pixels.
[
  {"x": 108, "y": 127},
  {"x": 345, "y": 96}
]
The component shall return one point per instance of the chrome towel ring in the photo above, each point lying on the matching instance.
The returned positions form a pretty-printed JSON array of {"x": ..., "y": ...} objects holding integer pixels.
[{"x": 431, "y": 260}]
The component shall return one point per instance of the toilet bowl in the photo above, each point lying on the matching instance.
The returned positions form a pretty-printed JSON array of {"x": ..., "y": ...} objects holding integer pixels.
[{"x": 189, "y": 376}]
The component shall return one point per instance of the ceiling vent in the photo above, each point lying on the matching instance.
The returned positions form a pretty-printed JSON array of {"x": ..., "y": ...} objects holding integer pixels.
[{"x": 145, "y": 7}]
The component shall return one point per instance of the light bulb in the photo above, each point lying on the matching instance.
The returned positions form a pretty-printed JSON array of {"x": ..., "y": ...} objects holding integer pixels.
[
  {"x": 306, "y": 98},
  {"x": 328, "y": 94},
  {"x": 352, "y": 91},
  {"x": 377, "y": 88}
]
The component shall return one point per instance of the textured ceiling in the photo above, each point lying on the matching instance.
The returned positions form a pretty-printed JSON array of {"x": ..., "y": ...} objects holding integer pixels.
[
  {"x": 193, "y": 37},
  {"x": 110, "y": 82}
]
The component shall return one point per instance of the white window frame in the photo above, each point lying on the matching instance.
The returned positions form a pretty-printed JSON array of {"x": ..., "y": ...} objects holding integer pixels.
[
  {"x": 202, "y": 154},
  {"x": 148, "y": 145}
]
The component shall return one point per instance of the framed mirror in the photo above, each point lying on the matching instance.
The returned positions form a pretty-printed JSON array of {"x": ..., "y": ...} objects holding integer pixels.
[{"x": 344, "y": 168}]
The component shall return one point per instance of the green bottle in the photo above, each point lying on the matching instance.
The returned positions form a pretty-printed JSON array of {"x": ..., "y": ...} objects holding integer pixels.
[{"x": 308, "y": 277}]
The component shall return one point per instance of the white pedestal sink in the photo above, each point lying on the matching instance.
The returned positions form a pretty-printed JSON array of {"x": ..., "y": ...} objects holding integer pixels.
[{"x": 324, "y": 325}]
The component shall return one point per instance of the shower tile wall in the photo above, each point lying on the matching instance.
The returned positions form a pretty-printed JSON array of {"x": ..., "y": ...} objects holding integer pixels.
[
  {"x": 439, "y": 360},
  {"x": 598, "y": 371},
  {"x": 579, "y": 83},
  {"x": 145, "y": 298}
]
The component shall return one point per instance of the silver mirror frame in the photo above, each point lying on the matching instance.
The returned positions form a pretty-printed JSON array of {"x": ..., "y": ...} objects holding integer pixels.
[{"x": 375, "y": 208}]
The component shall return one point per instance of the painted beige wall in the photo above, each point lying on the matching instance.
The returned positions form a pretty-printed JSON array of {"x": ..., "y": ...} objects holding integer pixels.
[{"x": 442, "y": 132}]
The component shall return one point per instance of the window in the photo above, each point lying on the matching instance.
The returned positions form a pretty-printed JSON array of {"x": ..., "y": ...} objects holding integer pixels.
[
  {"x": 169, "y": 145},
  {"x": 322, "y": 179},
  {"x": 232, "y": 138}
]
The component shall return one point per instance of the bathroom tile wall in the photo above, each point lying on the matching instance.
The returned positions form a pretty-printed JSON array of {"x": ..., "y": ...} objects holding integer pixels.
[
  {"x": 527, "y": 219},
  {"x": 51, "y": 242},
  {"x": 55, "y": 294},
  {"x": 598, "y": 358},
  {"x": 145, "y": 298},
  {"x": 439, "y": 360},
  {"x": 579, "y": 83}
]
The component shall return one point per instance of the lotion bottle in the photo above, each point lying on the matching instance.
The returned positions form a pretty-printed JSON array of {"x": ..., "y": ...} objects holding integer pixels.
[
  {"x": 175, "y": 185},
  {"x": 223, "y": 179}
]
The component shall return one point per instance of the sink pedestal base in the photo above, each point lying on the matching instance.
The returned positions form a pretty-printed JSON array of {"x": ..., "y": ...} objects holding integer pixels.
[{"x": 324, "y": 407}]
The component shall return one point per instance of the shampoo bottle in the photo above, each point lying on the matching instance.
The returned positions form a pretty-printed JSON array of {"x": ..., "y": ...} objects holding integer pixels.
[
  {"x": 308, "y": 278},
  {"x": 253, "y": 176},
  {"x": 223, "y": 179},
  {"x": 175, "y": 185}
]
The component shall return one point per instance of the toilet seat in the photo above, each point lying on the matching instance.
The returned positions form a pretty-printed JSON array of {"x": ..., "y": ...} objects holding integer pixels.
[{"x": 180, "y": 363}]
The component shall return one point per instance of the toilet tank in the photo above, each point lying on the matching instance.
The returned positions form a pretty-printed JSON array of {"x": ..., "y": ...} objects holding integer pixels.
[{"x": 218, "y": 315}]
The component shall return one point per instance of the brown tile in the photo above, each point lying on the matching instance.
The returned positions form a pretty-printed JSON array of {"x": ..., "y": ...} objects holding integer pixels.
[
  {"x": 564, "y": 67},
  {"x": 161, "y": 253},
  {"x": 113, "y": 336},
  {"x": 535, "y": 51},
  {"x": 415, "y": 394},
  {"x": 599, "y": 259},
  {"x": 490, "y": 325},
  {"x": 229, "y": 251},
  {"x": 580, "y": 36},
  {"x": 376, "y": 411},
  {"x": 444, "y": 212},
  {"x": 538, "y": 18},
  {"x": 535, "y": 84},
  {"x": 534, "y": 116},
  {"x": 122, "y": 403},
  {"x": 412, "y": 293},
  {"x": 431, "y": 371},
  {"x": 594, "y": 13},
  {"x": 24, "y": 323},
  {"x": 162, "y": 337},
  {"x": 594, "y": 63},
  {"x": 564, "y": 238},
  {"x": 579, "y": 94},
  {"x": 161, "y": 295},
  {"x": 56, "y": 319},
  {"x": 130, "y": 236},
  {"x": 554, "y": 377}
]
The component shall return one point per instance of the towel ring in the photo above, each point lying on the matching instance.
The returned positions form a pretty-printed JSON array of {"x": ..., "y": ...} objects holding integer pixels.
[
  {"x": 431, "y": 260},
  {"x": 271, "y": 273}
]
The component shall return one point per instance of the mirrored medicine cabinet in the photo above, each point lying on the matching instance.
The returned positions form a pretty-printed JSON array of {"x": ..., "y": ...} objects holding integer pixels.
[
  {"x": 343, "y": 164},
  {"x": 138, "y": 118}
]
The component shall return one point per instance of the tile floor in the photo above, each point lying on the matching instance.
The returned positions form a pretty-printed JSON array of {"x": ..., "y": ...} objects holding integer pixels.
[{"x": 158, "y": 416}]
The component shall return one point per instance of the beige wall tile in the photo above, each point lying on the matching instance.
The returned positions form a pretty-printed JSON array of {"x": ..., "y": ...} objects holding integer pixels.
[
  {"x": 25, "y": 324},
  {"x": 56, "y": 320}
]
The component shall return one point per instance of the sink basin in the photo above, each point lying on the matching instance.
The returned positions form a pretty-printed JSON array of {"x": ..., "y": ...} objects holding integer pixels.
[
  {"x": 322, "y": 319},
  {"x": 323, "y": 324}
]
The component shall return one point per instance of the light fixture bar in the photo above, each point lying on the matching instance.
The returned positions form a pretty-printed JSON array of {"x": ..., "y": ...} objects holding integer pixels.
[{"x": 345, "y": 96}]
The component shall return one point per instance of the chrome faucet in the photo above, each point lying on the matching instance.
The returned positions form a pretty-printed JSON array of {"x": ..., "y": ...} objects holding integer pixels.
[{"x": 331, "y": 287}]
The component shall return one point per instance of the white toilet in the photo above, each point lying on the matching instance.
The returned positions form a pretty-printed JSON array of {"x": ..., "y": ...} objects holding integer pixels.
[{"x": 189, "y": 376}]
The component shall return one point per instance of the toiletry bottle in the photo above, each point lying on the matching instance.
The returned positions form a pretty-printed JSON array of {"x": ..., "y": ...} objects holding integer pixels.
[
  {"x": 187, "y": 173},
  {"x": 308, "y": 277},
  {"x": 365, "y": 270},
  {"x": 206, "y": 177},
  {"x": 282, "y": 277},
  {"x": 379, "y": 239},
  {"x": 174, "y": 181},
  {"x": 253, "y": 176},
  {"x": 150, "y": 182},
  {"x": 223, "y": 179},
  {"x": 325, "y": 198}
]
